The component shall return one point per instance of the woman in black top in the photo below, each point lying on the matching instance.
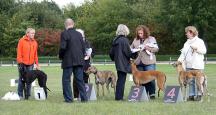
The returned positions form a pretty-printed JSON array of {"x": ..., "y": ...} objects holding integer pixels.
[{"x": 121, "y": 53}]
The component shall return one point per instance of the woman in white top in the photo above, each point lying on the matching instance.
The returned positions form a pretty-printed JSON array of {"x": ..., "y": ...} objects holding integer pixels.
[{"x": 192, "y": 55}]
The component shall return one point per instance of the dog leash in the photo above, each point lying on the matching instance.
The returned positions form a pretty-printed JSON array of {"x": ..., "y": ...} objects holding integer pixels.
[{"x": 186, "y": 54}]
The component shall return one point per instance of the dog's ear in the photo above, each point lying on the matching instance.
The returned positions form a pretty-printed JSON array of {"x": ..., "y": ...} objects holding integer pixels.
[
  {"x": 179, "y": 63},
  {"x": 174, "y": 64},
  {"x": 131, "y": 60},
  {"x": 95, "y": 68}
]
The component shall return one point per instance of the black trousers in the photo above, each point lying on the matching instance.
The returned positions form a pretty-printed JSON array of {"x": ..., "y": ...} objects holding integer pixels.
[
  {"x": 120, "y": 85},
  {"x": 75, "y": 88}
]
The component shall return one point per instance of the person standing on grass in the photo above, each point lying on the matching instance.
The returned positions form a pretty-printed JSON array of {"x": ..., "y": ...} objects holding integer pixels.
[
  {"x": 87, "y": 64},
  {"x": 71, "y": 52},
  {"x": 120, "y": 53},
  {"x": 27, "y": 56},
  {"x": 146, "y": 59},
  {"x": 192, "y": 56}
]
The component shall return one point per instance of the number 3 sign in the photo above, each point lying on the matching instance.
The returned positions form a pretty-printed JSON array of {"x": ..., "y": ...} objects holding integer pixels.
[
  {"x": 138, "y": 94},
  {"x": 173, "y": 94}
]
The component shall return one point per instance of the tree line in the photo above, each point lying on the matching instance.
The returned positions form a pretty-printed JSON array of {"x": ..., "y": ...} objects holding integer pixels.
[{"x": 99, "y": 19}]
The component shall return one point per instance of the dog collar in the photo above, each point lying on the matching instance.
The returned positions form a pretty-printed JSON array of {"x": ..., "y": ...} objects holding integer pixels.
[{"x": 95, "y": 72}]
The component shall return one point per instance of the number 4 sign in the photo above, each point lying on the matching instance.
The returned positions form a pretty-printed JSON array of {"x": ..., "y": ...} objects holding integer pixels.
[
  {"x": 173, "y": 94},
  {"x": 138, "y": 94}
]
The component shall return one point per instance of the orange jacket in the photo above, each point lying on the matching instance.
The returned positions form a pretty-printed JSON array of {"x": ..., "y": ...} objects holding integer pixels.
[{"x": 27, "y": 51}]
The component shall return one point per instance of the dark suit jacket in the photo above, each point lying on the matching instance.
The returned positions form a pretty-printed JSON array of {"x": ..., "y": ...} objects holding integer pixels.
[{"x": 72, "y": 48}]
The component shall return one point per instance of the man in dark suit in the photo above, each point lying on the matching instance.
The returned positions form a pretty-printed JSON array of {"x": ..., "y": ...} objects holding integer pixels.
[{"x": 72, "y": 50}]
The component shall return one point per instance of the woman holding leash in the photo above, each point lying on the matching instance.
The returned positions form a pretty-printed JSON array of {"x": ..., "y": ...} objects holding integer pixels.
[
  {"x": 146, "y": 59},
  {"x": 192, "y": 56},
  {"x": 120, "y": 53}
]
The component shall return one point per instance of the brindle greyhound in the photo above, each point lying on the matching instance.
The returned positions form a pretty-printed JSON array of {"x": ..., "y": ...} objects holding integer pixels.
[{"x": 103, "y": 77}]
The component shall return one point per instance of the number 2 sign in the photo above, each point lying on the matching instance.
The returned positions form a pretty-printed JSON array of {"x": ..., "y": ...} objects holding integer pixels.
[
  {"x": 173, "y": 94},
  {"x": 90, "y": 91}
]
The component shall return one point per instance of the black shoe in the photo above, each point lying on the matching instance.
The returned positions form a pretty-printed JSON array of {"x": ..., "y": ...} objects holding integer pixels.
[
  {"x": 68, "y": 101},
  {"x": 198, "y": 98},
  {"x": 152, "y": 97},
  {"x": 84, "y": 101},
  {"x": 191, "y": 98}
]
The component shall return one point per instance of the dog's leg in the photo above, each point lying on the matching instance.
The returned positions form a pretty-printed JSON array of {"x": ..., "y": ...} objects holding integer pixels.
[
  {"x": 97, "y": 89},
  {"x": 25, "y": 90},
  {"x": 205, "y": 87},
  {"x": 107, "y": 86},
  {"x": 103, "y": 89},
  {"x": 114, "y": 87},
  {"x": 199, "y": 88},
  {"x": 202, "y": 80},
  {"x": 42, "y": 83},
  {"x": 185, "y": 93}
]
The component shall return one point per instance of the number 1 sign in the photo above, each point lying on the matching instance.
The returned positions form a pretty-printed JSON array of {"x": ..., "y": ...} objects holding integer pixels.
[{"x": 173, "y": 94}]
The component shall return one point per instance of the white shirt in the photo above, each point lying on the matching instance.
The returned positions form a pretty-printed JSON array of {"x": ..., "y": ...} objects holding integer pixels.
[{"x": 193, "y": 59}]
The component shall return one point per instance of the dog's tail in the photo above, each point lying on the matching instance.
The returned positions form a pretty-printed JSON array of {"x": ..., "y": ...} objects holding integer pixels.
[
  {"x": 113, "y": 81},
  {"x": 205, "y": 87},
  {"x": 163, "y": 82},
  {"x": 48, "y": 89}
]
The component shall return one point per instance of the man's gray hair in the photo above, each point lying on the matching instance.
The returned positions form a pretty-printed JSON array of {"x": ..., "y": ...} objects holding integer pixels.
[
  {"x": 122, "y": 30},
  {"x": 69, "y": 23}
]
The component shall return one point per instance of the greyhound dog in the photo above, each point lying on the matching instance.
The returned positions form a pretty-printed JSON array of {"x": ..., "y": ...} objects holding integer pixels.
[
  {"x": 103, "y": 77},
  {"x": 143, "y": 77},
  {"x": 185, "y": 78},
  {"x": 29, "y": 76}
]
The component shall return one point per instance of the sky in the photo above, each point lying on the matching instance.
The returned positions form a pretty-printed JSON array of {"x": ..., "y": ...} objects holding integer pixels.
[{"x": 61, "y": 3}]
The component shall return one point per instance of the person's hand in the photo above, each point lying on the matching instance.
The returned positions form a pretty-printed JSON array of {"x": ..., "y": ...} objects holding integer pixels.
[
  {"x": 37, "y": 67},
  {"x": 141, "y": 47},
  {"x": 21, "y": 66},
  {"x": 148, "y": 48},
  {"x": 194, "y": 47},
  {"x": 86, "y": 57}
]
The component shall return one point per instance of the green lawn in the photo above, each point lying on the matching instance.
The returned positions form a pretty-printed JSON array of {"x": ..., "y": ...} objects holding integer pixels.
[{"x": 54, "y": 105}]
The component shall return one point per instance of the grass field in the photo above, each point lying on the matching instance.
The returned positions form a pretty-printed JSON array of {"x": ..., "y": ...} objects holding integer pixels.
[{"x": 54, "y": 105}]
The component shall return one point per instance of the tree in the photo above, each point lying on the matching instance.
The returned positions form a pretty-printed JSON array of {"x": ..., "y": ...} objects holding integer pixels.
[
  {"x": 100, "y": 19},
  {"x": 31, "y": 14},
  {"x": 179, "y": 14}
]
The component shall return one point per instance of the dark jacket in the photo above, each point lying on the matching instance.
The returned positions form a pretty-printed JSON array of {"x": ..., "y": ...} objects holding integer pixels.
[
  {"x": 72, "y": 48},
  {"x": 121, "y": 53}
]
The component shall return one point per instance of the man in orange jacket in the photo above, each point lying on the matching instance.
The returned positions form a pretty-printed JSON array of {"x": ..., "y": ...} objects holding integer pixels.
[{"x": 26, "y": 57}]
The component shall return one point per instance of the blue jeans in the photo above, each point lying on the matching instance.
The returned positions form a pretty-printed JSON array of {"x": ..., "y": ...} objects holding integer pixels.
[
  {"x": 66, "y": 83},
  {"x": 20, "y": 83},
  {"x": 192, "y": 86},
  {"x": 150, "y": 87}
]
